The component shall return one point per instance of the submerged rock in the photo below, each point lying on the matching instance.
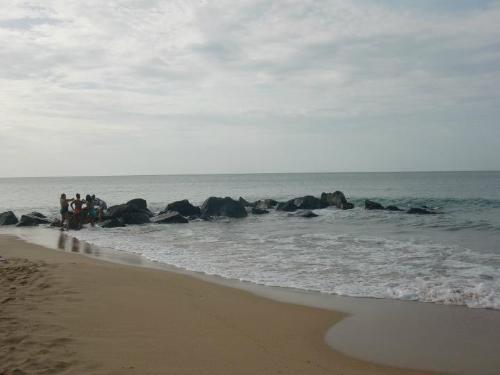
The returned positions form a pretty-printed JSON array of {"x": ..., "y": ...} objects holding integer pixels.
[
  {"x": 259, "y": 211},
  {"x": 215, "y": 206},
  {"x": 8, "y": 218},
  {"x": 420, "y": 211},
  {"x": 371, "y": 205},
  {"x": 393, "y": 208},
  {"x": 171, "y": 217},
  {"x": 183, "y": 207}
]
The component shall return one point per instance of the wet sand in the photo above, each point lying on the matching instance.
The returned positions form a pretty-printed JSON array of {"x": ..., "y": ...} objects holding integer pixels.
[{"x": 63, "y": 313}]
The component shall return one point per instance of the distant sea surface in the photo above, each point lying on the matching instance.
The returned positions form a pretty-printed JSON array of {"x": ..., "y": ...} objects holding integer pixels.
[{"x": 451, "y": 258}]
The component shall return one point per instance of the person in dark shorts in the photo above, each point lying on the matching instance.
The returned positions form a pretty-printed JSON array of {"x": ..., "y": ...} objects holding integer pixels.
[
  {"x": 90, "y": 209},
  {"x": 77, "y": 206},
  {"x": 64, "y": 202}
]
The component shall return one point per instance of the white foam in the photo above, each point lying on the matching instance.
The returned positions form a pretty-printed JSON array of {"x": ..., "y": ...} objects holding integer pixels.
[{"x": 343, "y": 264}]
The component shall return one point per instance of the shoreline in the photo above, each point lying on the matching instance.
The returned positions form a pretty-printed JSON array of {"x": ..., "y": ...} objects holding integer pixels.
[
  {"x": 403, "y": 334},
  {"x": 74, "y": 313}
]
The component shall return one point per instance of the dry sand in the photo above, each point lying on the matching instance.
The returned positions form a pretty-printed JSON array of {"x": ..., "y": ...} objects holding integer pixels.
[{"x": 63, "y": 313}]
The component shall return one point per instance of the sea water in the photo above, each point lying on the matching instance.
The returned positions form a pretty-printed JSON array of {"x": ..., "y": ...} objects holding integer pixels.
[{"x": 451, "y": 258}]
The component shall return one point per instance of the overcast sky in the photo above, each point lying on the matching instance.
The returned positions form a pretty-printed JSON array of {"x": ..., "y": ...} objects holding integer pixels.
[{"x": 237, "y": 86}]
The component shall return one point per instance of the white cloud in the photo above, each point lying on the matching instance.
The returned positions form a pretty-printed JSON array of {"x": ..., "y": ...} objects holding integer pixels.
[{"x": 165, "y": 69}]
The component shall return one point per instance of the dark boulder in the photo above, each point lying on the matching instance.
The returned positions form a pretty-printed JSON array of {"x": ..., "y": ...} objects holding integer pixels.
[
  {"x": 308, "y": 203},
  {"x": 288, "y": 206},
  {"x": 336, "y": 199},
  {"x": 138, "y": 203},
  {"x": 112, "y": 223},
  {"x": 244, "y": 202},
  {"x": 171, "y": 217},
  {"x": 265, "y": 204},
  {"x": 393, "y": 208},
  {"x": 117, "y": 211},
  {"x": 8, "y": 218},
  {"x": 33, "y": 219},
  {"x": 347, "y": 206},
  {"x": 136, "y": 217},
  {"x": 215, "y": 206},
  {"x": 38, "y": 214},
  {"x": 420, "y": 211},
  {"x": 259, "y": 211},
  {"x": 184, "y": 208},
  {"x": 371, "y": 205},
  {"x": 132, "y": 212}
]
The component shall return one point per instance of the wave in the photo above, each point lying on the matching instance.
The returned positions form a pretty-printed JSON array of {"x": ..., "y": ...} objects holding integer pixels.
[{"x": 341, "y": 264}]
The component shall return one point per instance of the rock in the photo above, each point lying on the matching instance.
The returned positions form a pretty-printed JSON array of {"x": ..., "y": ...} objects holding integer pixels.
[
  {"x": 31, "y": 220},
  {"x": 308, "y": 203},
  {"x": 38, "y": 214},
  {"x": 136, "y": 217},
  {"x": 336, "y": 199},
  {"x": 347, "y": 206},
  {"x": 116, "y": 211},
  {"x": 371, "y": 205},
  {"x": 215, "y": 206},
  {"x": 170, "y": 217},
  {"x": 138, "y": 203},
  {"x": 184, "y": 208},
  {"x": 112, "y": 223},
  {"x": 132, "y": 212},
  {"x": 265, "y": 204},
  {"x": 393, "y": 208},
  {"x": 73, "y": 221},
  {"x": 244, "y": 202},
  {"x": 8, "y": 218},
  {"x": 57, "y": 223},
  {"x": 420, "y": 211},
  {"x": 259, "y": 211},
  {"x": 288, "y": 206}
]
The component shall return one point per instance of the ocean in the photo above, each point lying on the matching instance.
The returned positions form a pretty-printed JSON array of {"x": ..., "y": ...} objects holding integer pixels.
[{"x": 450, "y": 258}]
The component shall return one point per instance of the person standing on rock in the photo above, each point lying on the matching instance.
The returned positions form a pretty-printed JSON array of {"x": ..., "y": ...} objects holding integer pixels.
[{"x": 64, "y": 202}]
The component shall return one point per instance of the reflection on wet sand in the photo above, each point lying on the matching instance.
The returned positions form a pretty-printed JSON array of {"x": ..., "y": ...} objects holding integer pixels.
[{"x": 73, "y": 244}]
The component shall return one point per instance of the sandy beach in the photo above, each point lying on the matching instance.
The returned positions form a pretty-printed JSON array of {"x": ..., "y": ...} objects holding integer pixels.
[{"x": 64, "y": 313}]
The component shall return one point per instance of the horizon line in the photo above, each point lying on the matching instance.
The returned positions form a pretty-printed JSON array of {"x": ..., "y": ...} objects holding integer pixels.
[{"x": 254, "y": 173}]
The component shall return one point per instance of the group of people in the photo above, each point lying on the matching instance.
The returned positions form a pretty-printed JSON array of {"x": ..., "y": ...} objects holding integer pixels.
[{"x": 86, "y": 210}]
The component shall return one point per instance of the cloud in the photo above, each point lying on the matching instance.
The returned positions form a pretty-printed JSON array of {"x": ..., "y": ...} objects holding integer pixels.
[{"x": 291, "y": 68}]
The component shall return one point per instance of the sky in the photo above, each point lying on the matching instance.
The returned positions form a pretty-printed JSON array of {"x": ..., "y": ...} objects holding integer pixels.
[{"x": 248, "y": 86}]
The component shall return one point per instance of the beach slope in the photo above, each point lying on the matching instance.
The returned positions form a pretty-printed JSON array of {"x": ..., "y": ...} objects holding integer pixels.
[{"x": 63, "y": 313}]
